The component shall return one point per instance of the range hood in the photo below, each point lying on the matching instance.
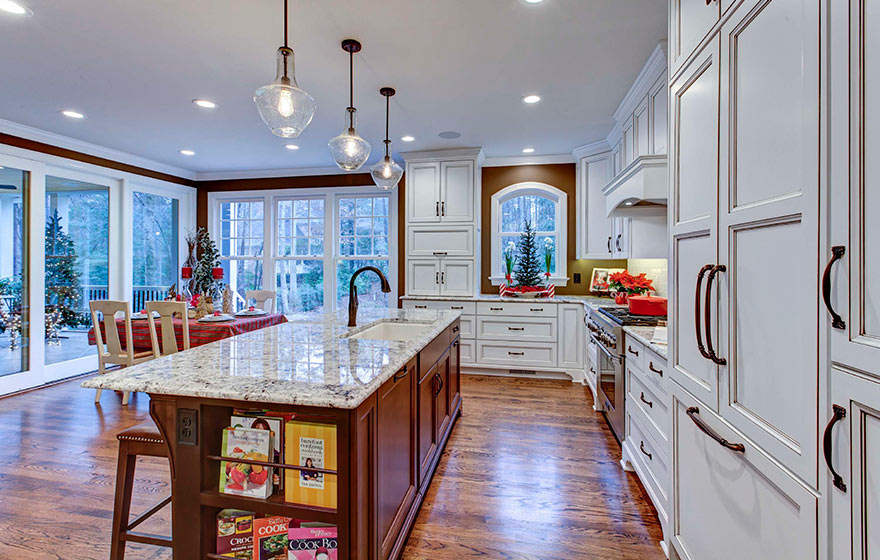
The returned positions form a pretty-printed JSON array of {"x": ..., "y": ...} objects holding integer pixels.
[{"x": 641, "y": 188}]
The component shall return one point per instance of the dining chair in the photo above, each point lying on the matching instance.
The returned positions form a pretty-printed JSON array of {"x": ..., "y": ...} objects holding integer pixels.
[
  {"x": 265, "y": 299},
  {"x": 166, "y": 311},
  {"x": 113, "y": 353}
]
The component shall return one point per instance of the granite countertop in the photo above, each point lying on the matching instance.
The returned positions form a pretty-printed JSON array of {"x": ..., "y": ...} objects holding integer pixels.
[
  {"x": 307, "y": 361},
  {"x": 654, "y": 338},
  {"x": 587, "y": 301}
]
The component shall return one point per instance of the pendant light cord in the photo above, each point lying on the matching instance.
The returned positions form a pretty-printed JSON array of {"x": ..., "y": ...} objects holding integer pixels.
[
  {"x": 387, "y": 106},
  {"x": 351, "y": 90},
  {"x": 285, "y": 24}
]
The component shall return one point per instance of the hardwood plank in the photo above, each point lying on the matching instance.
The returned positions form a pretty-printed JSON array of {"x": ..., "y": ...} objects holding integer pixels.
[{"x": 530, "y": 472}]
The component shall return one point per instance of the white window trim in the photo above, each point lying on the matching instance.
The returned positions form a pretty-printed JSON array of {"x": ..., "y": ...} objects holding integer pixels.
[
  {"x": 331, "y": 229},
  {"x": 560, "y": 198}
]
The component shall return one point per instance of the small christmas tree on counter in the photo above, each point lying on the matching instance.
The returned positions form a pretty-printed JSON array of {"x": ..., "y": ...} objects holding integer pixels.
[{"x": 528, "y": 264}]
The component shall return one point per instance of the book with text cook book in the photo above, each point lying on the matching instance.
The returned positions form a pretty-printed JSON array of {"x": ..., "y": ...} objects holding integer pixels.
[{"x": 310, "y": 444}]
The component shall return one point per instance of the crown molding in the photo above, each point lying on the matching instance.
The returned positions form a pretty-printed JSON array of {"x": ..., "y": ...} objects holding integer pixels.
[
  {"x": 66, "y": 142},
  {"x": 654, "y": 68},
  {"x": 591, "y": 149},
  {"x": 528, "y": 160},
  {"x": 454, "y": 153},
  {"x": 273, "y": 173}
]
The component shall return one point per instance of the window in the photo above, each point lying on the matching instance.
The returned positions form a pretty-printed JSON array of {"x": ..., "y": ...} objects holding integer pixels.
[
  {"x": 299, "y": 264},
  {"x": 77, "y": 263},
  {"x": 318, "y": 239},
  {"x": 544, "y": 207},
  {"x": 241, "y": 247},
  {"x": 363, "y": 241},
  {"x": 155, "y": 247},
  {"x": 14, "y": 187}
]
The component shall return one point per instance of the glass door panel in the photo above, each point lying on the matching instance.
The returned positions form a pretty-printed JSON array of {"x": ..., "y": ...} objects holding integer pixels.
[
  {"x": 155, "y": 243},
  {"x": 76, "y": 264},
  {"x": 14, "y": 251}
]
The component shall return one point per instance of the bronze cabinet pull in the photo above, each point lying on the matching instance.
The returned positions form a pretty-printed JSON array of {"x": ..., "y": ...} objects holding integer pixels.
[
  {"x": 516, "y": 353},
  {"x": 592, "y": 369},
  {"x": 421, "y": 306},
  {"x": 694, "y": 414},
  {"x": 496, "y": 309},
  {"x": 437, "y": 208},
  {"x": 443, "y": 208},
  {"x": 536, "y": 309},
  {"x": 440, "y": 253},
  {"x": 440, "y": 379},
  {"x": 709, "y": 350},
  {"x": 400, "y": 374},
  {"x": 617, "y": 241},
  {"x": 455, "y": 329},
  {"x": 516, "y": 328},
  {"x": 697, "y": 314},
  {"x": 642, "y": 449},
  {"x": 837, "y": 253},
  {"x": 631, "y": 351},
  {"x": 436, "y": 277},
  {"x": 646, "y": 401},
  {"x": 655, "y": 370},
  {"x": 609, "y": 244},
  {"x": 442, "y": 277},
  {"x": 456, "y": 307},
  {"x": 839, "y": 414}
]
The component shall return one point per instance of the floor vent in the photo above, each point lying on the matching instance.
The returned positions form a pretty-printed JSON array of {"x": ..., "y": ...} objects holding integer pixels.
[{"x": 523, "y": 372}]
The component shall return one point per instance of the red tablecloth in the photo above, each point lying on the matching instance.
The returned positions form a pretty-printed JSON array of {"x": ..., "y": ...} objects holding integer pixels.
[{"x": 199, "y": 333}]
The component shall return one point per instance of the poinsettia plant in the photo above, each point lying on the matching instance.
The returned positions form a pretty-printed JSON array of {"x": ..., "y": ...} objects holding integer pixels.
[{"x": 626, "y": 283}]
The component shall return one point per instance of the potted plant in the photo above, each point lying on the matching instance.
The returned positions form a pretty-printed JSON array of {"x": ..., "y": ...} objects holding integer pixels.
[{"x": 623, "y": 284}]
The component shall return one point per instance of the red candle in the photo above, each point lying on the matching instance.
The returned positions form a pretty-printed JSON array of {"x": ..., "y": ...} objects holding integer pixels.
[
  {"x": 186, "y": 272},
  {"x": 217, "y": 273}
]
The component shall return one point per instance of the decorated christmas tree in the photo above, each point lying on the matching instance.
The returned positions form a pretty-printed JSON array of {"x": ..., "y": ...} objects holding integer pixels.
[
  {"x": 209, "y": 259},
  {"x": 528, "y": 268},
  {"x": 62, "y": 277}
]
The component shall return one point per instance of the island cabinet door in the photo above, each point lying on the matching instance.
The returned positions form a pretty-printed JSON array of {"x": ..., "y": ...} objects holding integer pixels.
[
  {"x": 396, "y": 437},
  {"x": 427, "y": 433},
  {"x": 454, "y": 391},
  {"x": 442, "y": 397}
]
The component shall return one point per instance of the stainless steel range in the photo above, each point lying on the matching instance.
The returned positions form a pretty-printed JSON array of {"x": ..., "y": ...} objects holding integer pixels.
[{"x": 606, "y": 330}]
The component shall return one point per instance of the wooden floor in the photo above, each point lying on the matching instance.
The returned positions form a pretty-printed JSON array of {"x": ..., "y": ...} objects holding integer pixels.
[{"x": 530, "y": 472}]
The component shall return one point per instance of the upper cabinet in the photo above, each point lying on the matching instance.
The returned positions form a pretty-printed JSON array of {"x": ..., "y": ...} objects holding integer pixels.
[
  {"x": 442, "y": 211},
  {"x": 691, "y": 21},
  {"x": 622, "y": 180}
]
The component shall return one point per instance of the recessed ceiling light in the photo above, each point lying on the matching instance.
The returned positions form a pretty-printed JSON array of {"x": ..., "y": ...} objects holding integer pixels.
[
  {"x": 72, "y": 114},
  {"x": 533, "y": 1},
  {"x": 450, "y": 134},
  {"x": 205, "y": 104},
  {"x": 528, "y": 150},
  {"x": 407, "y": 138},
  {"x": 187, "y": 152},
  {"x": 629, "y": 202},
  {"x": 531, "y": 99},
  {"x": 292, "y": 147},
  {"x": 15, "y": 8}
]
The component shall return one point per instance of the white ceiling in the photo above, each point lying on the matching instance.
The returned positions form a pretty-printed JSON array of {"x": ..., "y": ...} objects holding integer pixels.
[{"x": 133, "y": 67}]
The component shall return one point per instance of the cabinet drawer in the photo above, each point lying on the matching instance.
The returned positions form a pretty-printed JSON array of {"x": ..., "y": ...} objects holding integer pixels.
[
  {"x": 731, "y": 505},
  {"x": 650, "y": 459},
  {"x": 535, "y": 354},
  {"x": 465, "y": 307},
  {"x": 518, "y": 329},
  {"x": 506, "y": 308},
  {"x": 467, "y": 326},
  {"x": 440, "y": 241},
  {"x": 635, "y": 352},
  {"x": 467, "y": 351},
  {"x": 653, "y": 404},
  {"x": 655, "y": 370}
]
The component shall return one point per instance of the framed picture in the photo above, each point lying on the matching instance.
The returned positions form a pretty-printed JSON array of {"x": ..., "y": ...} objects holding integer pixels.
[{"x": 599, "y": 281}]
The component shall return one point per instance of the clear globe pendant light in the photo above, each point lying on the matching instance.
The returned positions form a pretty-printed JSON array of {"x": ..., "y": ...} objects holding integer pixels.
[
  {"x": 386, "y": 174},
  {"x": 285, "y": 108},
  {"x": 349, "y": 150}
]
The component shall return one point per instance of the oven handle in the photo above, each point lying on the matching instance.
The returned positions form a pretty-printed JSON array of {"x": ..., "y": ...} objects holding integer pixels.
[{"x": 607, "y": 352}]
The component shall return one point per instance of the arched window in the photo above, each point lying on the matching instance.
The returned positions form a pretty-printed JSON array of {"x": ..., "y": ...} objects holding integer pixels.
[{"x": 541, "y": 205}]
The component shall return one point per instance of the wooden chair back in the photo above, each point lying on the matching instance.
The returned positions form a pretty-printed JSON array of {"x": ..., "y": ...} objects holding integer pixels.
[
  {"x": 265, "y": 299},
  {"x": 167, "y": 310},
  {"x": 107, "y": 339}
]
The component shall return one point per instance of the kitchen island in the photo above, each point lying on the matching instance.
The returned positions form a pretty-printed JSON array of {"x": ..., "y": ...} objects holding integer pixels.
[{"x": 390, "y": 387}]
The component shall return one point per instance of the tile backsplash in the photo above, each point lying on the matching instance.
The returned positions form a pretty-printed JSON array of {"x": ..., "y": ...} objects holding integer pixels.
[{"x": 655, "y": 269}]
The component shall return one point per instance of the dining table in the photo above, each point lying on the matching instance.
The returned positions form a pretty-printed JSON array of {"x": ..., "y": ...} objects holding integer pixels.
[{"x": 200, "y": 332}]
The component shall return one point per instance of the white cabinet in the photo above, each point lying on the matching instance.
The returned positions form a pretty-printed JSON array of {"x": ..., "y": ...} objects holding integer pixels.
[
  {"x": 620, "y": 239},
  {"x": 572, "y": 336},
  {"x": 594, "y": 228},
  {"x": 690, "y": 22},
  {"x": 658, "y": 99},
  {"x": 641, "y": 126},
  {"x": 442, "y": 222}
]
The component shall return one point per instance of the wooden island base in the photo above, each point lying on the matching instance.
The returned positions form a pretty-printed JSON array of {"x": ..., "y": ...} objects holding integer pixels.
[{"x": 388, "y": 450}]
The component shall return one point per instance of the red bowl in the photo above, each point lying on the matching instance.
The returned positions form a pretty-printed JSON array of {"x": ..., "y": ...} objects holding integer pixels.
[{"x": 647, "y": 305}]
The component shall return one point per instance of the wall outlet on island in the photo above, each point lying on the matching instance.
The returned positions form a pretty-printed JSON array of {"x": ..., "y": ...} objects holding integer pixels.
[{"x": 577, "y": 277}]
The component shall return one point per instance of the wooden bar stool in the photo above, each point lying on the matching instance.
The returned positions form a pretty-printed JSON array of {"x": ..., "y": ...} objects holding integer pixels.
[{"x": 143, "y": 439}]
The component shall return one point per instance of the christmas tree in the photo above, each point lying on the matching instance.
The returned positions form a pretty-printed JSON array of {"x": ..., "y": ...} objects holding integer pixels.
[
  {"x": 203, "y": 280},
  {"x": 62, "y": 277},
  {"x": 528, "y": 264}
]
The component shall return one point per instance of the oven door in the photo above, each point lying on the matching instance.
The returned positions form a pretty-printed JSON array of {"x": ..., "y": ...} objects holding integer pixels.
[{"x": 611, "y": 389}]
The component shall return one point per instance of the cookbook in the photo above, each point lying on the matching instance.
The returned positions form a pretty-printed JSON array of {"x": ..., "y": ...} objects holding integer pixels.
[
  {"x": 309, "y": 444},
  {"x": 246, "y": 479}
]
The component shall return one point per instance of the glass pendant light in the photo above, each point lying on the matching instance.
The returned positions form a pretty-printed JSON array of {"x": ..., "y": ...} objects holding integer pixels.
[
  {"x": 348, "y": 149},
  {"x": 386, "y": 174},
  {"x": 284, "y": 107}
]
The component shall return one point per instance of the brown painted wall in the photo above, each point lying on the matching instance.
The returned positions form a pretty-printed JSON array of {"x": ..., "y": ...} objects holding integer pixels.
[
  {"x": 561, "y": 176},
  {"x": 342, "y": 180}
]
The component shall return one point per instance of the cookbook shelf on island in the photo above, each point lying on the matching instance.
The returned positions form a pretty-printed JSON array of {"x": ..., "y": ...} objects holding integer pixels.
[{"x": 247, "y": 536}]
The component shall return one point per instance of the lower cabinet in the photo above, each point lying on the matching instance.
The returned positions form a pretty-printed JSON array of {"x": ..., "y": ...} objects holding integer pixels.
[
  {"x": 396, "y": 439},
  {"x": 731, "y": 500},
  {"x": 853, "y": 430},
  {"x": 427, "y": 431}
]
